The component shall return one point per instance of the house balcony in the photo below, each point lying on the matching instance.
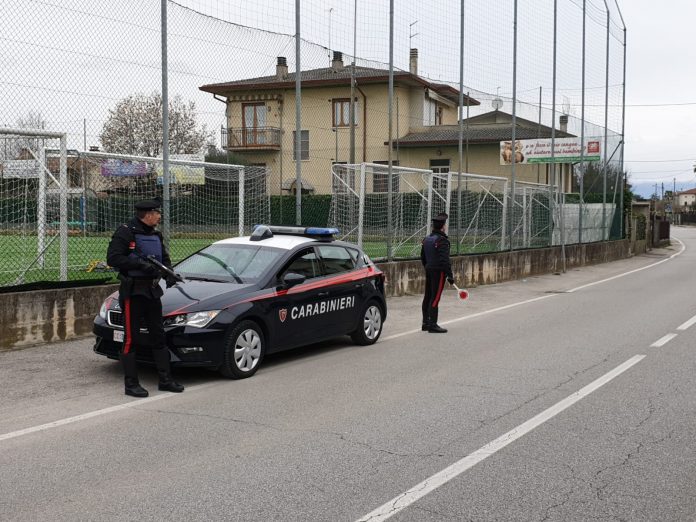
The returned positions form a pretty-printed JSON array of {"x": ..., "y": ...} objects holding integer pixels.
[{"x": 251, "y": 139}]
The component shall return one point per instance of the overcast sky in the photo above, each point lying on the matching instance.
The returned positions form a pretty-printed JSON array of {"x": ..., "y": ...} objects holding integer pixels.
[{"x": 661, "y": 138}]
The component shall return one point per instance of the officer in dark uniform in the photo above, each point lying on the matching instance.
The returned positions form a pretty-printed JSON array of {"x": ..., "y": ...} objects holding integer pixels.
[
  {"x": 435, "y": 256},
  {"x": 140, "y": 292}
]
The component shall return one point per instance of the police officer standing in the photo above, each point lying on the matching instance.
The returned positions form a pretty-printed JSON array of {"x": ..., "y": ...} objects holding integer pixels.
[
  {"x": 435, "y": 256},
  {"x": 140, "y": 292}
]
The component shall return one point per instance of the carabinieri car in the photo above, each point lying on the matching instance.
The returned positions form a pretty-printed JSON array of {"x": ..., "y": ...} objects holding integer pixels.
[{"x": 245, "y": 297}]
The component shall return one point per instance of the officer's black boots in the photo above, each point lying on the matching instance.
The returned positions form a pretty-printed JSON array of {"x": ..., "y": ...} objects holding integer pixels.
[
  {"x": 134, "y": 389},
  {"x": 166, "y": 383},
  {"x": 130, "y": 380},
  {"x": 425, "y": 327},
  {"x": 435, "y": 328}
]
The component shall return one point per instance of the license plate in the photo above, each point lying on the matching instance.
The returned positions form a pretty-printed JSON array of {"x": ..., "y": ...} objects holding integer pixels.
[{"x": 118, "y": 336}]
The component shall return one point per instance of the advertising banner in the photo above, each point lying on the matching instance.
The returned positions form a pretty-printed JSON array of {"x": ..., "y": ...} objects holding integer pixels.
[
  {"x": 116, "y": 168},
  {"x": 183, "y": 174},
  {"x": 567, "y": 150}
]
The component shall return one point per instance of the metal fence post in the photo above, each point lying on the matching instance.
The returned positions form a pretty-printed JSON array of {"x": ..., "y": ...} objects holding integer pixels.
[
  {"x": 361, "y": 205},
  {"x": 504, "y": 225},
  {"x": 166, "y": 210},
  {"x": 241, "y": 201},
  {"x": 63, "y": 208},
  {"x": 41, "y": 207}
]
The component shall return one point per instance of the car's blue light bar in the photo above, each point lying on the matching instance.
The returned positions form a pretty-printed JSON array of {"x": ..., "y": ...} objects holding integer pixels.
[
  {"x": 319, "y": 231},
  {"x": 265, "y": 231}
]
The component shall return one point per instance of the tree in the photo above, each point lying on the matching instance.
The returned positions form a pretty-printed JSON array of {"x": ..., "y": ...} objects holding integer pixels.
[
  {"x": 134, "y": 126},
  {"x": 12, "y": 148}
]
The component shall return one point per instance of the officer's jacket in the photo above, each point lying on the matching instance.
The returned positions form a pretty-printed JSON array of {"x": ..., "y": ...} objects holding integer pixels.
[
  {"x": 128, "y": 245},
  {"x": 435, "y": 252}
]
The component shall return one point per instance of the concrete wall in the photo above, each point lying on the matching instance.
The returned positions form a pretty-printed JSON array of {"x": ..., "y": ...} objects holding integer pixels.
[
  {"x": 39, "y": 317},
  {"x": 406, "y": 277}
]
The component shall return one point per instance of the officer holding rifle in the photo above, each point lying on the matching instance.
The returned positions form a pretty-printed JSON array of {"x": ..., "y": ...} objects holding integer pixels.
[{"x": 138, "y": 252}]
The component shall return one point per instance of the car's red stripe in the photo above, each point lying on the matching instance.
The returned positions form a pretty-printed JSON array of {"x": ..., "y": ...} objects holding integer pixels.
[{"x": 331, "y": 281}]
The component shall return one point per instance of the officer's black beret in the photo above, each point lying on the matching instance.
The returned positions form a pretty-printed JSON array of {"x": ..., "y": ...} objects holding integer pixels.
[
  {"x": 441, "y": 217},
  {"x": 149, "y": 204}
]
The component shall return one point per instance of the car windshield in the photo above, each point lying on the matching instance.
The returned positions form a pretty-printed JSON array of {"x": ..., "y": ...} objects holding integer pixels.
[{"x": 229, "y": 263}]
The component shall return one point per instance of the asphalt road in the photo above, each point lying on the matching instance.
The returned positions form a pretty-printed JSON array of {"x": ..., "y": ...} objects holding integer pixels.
[{"x": 556, "y": 398}]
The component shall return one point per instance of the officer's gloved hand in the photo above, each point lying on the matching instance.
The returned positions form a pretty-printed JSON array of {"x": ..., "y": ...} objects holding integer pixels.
[
  {"x": 170, "y": 280},
  {"x": 148, "y": 269},
  {"x": 450, "y": 280}
]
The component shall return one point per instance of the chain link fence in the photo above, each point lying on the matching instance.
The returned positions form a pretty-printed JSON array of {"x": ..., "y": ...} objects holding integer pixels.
[{"x": 94, "y": 73}]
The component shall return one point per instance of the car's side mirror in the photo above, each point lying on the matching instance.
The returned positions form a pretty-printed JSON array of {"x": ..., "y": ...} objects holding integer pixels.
[{"x": 292, "y": 279}]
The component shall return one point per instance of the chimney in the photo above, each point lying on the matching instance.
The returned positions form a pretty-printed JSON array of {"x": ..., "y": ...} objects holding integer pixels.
[
  {"x": 563, "y": 121},
  {"x": 282, "y": 68},
  {"x": 413, "y": 62},
  {"x": 337, "y": 62}
]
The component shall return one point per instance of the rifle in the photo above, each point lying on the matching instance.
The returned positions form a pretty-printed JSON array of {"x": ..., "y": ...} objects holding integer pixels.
[{"x": 164, "y": 269}]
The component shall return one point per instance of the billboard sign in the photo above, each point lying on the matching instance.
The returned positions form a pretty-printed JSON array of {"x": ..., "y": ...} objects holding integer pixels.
[
  {"x": 19, "y": 169},
  {"x": 567, "y": 150},
  {"x": 116, "y": 168},
  {"x": 183, "y": 174}
]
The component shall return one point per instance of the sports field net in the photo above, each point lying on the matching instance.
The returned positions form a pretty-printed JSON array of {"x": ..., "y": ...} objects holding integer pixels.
[
  {"x": 361, "y": 205},
  {"x": 207, "y": 202},
  {"x": 30, "y": 206}
]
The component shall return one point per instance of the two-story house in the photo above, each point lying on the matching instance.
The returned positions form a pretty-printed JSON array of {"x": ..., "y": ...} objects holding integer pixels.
[{"x": 261, "y": 124}]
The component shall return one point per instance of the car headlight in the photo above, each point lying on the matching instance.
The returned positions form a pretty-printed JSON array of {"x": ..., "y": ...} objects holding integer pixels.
[
  {"x": 102, "y": 311},
  {"x": 106, "y": 306},
  {"x": 195, "y": 319}
]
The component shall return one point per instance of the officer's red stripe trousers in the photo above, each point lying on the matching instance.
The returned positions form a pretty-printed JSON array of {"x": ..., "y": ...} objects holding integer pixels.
[
  {"x": 440, "y": 286},
  {"x": 127, "y": 324}
]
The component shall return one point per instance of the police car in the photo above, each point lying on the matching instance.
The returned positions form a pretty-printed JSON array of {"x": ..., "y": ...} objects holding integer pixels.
[{"x": 245, "y": 297}]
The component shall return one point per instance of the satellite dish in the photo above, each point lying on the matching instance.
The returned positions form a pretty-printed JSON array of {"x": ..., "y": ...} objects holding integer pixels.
[{"x": 497, "y": 103}]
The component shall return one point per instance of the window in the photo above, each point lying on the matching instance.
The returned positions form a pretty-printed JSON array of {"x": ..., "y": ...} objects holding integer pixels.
[
  {"x": 379, "y": 179},
  {"x": 254, "y": 123},
  {"x": 341, "y": 112},
  {"x": 304, "y": 145},
  {"x": 336, "y": 259},
  {"x": 230, "y": 262},
  {"x": 439, "y": 167},
  {"x": 430, "y": 112},
  {"x": 306, "y": 263}
]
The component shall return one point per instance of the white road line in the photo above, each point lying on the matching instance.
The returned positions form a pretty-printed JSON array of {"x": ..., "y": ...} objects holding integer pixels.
[
  {"x": 139, "y": 402},
  {"x": 97, "y": 413},
  {"x": 687, "y": 324},
  {"x": 404, "y": 500},
  {"x": 683, "y": 247},
  {"x": 478, "y": 314},
  {"x": 663, "y": 340},
  {"x": 520, "y": 303}
]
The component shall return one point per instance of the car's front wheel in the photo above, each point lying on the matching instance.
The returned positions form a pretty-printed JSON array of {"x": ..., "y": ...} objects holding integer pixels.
[
  {"x": 370, "y": 327},
  {"x": 244, "y": 350}
]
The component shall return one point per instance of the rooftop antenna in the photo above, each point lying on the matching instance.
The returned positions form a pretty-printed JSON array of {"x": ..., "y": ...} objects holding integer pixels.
[
  {"x": 411, "y": 34},
  {"x": 566, "y": 105},
  {"x": 497, "y": 102},
  {"x": 330, "y": 13}
]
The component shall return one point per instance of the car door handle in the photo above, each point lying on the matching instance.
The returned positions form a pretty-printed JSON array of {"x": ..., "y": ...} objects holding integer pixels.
[
  {"x": 359, "y": 285},
  {"x": 323, "y": 294}
]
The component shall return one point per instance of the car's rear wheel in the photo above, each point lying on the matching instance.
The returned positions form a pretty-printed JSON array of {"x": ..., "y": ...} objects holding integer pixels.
[
  {"x": 245, "y": 347},
  {"x": 370, "y": 327}
]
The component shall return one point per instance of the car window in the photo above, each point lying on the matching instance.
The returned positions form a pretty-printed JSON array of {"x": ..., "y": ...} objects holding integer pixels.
[
  {"x": 234, "y": 262},
  {"x": 336, "y": 259},
  {"x": 306, "y": 263}
]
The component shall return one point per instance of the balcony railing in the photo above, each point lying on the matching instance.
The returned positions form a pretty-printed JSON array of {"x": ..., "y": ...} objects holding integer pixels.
[{"x": 251, "y": 138}]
